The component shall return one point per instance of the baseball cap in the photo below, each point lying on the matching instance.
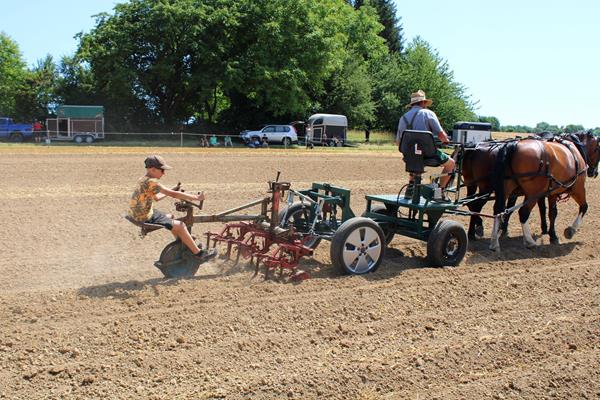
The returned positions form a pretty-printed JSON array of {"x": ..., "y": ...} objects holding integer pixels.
[{"x": 156, "y": 162}]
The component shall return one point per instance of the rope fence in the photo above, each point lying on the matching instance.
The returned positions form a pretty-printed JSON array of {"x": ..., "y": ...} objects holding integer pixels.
[{"x": 192, "y": 139}]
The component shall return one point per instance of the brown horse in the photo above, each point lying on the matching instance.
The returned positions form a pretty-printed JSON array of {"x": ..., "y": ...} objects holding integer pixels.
[
  {"x": 478, "y": 165},
  {"x": 538, "y": 169}
]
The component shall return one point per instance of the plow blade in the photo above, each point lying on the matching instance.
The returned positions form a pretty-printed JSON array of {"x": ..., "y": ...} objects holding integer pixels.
[{"x": 176, "y": 261}]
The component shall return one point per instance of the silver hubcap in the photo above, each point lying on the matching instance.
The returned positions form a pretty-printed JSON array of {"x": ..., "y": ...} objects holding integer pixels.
[{"x": 362, "y": 250}]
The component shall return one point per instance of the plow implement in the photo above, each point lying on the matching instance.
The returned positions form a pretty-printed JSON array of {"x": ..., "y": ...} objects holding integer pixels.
[
  {"x": 289, "y": 225},
  {"x": 267, "y": 241}
]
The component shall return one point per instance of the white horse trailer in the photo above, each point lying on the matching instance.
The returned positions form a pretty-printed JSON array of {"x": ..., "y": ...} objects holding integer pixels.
[{"x": 326, "y": 126}]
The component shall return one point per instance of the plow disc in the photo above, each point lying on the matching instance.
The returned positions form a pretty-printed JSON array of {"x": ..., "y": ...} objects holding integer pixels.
[{"x": 176, "y": 261}]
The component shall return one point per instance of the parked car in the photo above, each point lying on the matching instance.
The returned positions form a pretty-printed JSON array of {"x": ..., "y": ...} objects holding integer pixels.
[
  {"x": 275, "y": 134},
  {"x": 13, "y": 131}
]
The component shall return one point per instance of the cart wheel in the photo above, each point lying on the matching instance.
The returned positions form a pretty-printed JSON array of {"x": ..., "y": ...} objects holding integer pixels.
[
  {"x": 358, "y": 246},
  {"x": 298, "y": 215},
  {"x": 89, "y": 139},
  {"x": 387, "y": 232},
  {"x": 78, "y": 139},
  {"x": 447, "y": 244},
  {"x": 176, "y": 261}
]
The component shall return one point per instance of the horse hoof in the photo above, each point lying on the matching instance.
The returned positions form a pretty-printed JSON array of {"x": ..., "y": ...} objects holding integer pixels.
[
  {"x": 570, "y": 232},
  {"x": 494, "y": 248},
  {"x": 554, "y": 240}
]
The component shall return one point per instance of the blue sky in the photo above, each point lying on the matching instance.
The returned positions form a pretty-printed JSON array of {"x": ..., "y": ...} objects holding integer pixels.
[{"x": 523, "y": 61}]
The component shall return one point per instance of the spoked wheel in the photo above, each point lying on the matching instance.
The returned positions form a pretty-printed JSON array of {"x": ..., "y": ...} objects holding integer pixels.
[
  {"x": 298, "y": 215},
  {"x": 176, "y": 261},
  {"x": 387, "y": 232},
  {"x": 447, "y": 244},
  {"x": 358, "y": 246}
]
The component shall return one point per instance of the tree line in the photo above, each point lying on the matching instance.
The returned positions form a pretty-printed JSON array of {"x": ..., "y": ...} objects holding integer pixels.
[
  {"x": 538, "y": 128},
  {"x": 198, "y": 65}
]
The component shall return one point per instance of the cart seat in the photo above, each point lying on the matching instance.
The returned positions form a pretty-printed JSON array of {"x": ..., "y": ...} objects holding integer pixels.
[
  {"x": 419, "y": 150},
  {"x": 145, "y": 226}
]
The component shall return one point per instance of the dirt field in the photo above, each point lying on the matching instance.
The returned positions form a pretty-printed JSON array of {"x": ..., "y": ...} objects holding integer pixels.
[{"x": 85, "y": 315}]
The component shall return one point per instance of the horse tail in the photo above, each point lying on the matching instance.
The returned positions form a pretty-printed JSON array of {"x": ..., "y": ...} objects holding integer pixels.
[{"x": 503, "y": 158}]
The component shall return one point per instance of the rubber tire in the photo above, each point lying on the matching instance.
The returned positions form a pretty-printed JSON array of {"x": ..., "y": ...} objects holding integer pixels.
[
  {"x": 299, "y": 208},
  {"x": 438, "y": 241},
  {"x": 389, "y": 236},
  {"x": 78, "y": 139},
  {"x": 16, "y": 137},
  {"x": 287, "y": 142},
  {"x": 338, "y": 245},
  {"x": 89, "y": 139},
  {"x": 186, "y": 268}
]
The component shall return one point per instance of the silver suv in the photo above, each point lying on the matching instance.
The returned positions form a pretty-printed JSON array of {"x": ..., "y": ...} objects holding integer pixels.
[{"x": 284, "y": 134}]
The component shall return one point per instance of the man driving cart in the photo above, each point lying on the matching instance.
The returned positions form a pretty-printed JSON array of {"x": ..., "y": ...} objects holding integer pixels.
[{"x": 419, "y": 117}]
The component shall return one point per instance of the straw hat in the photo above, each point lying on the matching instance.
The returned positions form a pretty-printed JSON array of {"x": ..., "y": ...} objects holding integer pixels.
[{"x": 417, "y": 97}]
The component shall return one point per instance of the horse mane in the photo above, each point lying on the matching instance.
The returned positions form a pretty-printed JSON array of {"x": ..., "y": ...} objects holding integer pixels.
[{"x": 544, "y": 135}]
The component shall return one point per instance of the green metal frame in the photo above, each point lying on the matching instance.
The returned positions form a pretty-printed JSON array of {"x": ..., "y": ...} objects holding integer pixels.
[
  {"x": 415, "y": 216},
  {"x": 421, "y": 216},
  {"x": 327, "y": 202}
]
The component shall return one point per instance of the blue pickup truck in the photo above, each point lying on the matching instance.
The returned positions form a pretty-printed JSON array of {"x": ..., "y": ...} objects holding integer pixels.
[{"x": 14, "y": 132}]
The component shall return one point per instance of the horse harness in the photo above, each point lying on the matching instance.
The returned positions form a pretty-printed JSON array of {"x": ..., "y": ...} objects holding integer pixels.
[{"x": 545, "y": 163}]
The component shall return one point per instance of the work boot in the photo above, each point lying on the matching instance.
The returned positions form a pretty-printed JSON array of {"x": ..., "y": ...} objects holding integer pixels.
[{"x": 205, "y": 255}]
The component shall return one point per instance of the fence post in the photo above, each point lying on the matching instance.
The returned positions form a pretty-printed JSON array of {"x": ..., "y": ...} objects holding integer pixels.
[{"x": 180, "y": 139}]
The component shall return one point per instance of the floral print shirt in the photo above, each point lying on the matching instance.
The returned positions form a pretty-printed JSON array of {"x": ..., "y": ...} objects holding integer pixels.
[{"x": 140, "y": 204}]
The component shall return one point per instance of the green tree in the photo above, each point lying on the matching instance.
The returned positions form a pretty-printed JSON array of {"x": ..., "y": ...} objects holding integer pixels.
[
  {"x": 169, "y": 62},
  {"x": 491, "y": 120},
  {"x": 388, "y": 17},
  {"x": 273, "y": 67},
  {"x": 420, "y": 67},
  {"x": 37, "y": 94},
  {"x": 350, "y": 93},
  {"x": 572, "y": 128},
  {"x": 149, "y": 62},
  {"x": 358, "y": 47},
  {"x": 13, "y": 74},
  {"x": 546, "y": 127},
  {"x": 516, "y": 129}
]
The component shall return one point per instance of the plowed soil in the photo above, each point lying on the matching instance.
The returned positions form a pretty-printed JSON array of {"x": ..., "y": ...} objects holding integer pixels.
[{"x": 85, "y": 315}]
